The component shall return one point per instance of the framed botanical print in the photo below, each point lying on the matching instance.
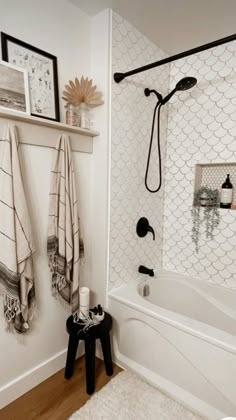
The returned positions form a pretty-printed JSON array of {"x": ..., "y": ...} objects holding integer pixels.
[
  {"x": 14, "y": 88},
  {"x": 42, "y": 73}
]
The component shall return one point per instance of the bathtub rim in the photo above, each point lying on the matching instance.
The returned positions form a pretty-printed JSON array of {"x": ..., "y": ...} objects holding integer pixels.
[
  {"x": 183, "y": 280},
  {"x": 125, "y": 293}
]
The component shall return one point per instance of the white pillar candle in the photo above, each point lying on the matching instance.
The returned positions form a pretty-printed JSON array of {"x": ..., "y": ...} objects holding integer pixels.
[{"x": 83, "y": 302}]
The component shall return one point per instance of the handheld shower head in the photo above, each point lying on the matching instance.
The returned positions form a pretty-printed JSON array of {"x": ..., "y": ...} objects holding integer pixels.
[{"x": 184, "y": 84}]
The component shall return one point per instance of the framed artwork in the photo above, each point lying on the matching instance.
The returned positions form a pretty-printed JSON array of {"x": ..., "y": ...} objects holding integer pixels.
[
  {"x": 42, "y": 73},
  {"x": 14, "y": 88}
]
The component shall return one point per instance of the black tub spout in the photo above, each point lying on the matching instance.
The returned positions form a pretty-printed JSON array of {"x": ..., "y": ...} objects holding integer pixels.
[{"x": 144, "y": 270}]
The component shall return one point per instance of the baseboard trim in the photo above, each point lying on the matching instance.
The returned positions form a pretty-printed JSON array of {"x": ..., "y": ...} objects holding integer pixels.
[{"x": 33, "y": 377}]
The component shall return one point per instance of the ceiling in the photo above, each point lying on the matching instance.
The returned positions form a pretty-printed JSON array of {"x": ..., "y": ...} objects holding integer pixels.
[{"x": 173, "y": 25}]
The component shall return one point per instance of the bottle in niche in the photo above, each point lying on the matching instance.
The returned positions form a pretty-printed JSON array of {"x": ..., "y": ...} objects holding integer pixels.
[{"x": 226, "y": 194}]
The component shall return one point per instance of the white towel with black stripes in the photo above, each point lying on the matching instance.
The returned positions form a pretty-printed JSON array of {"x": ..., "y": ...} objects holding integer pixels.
[
  {"x": 16, "y": 241},
  {"x": 64, "y": 246}
]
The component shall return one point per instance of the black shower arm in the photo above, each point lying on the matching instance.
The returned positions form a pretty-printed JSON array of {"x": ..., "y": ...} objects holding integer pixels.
[{"x": 148, "y": 91}]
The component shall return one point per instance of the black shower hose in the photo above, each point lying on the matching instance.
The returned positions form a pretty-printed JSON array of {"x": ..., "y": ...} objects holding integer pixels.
[{"x": 157, "y": 107}]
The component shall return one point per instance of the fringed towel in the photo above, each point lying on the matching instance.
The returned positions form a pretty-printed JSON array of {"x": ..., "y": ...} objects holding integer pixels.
[
  {"x": 64, "y": 246},
  {"x": 16, "y": 243}
]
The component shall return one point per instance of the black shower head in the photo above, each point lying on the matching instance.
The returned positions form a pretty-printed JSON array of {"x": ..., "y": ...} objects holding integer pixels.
[{"x": 184, "y": 84}]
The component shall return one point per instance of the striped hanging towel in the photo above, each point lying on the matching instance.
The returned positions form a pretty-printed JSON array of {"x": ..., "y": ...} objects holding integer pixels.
[
  {"x": 16, "y": 243},
  {"x": 64, "y": 246}
]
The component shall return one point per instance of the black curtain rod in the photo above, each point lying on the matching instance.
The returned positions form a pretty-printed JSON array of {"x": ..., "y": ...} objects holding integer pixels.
[{"x": 118, "y": 77}]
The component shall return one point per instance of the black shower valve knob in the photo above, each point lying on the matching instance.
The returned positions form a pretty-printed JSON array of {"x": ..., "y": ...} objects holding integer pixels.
[{"x": 143, "y": 228}]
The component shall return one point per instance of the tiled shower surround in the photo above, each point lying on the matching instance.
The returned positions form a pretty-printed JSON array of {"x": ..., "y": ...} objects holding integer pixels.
[
  {"x": 131, "y": 125},
  {"x": 201, "y": 129}
]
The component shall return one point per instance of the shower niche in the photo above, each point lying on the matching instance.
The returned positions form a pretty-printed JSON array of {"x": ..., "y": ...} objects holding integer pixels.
[{"x": 213, "y": 175}]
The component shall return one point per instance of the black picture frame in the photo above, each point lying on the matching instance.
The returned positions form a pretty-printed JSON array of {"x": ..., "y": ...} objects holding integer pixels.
[{"x": 42, "y": 73}]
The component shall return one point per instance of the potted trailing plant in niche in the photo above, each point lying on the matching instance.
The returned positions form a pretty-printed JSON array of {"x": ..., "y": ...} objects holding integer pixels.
[{"x": 205, "y": 211}]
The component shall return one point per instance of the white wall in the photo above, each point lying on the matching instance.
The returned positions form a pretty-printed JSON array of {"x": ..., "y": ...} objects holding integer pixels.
[
  {"x": 55, "y": 26},
  {"x": 63, "y": 30},
  {"x": 131, "y": 121}
]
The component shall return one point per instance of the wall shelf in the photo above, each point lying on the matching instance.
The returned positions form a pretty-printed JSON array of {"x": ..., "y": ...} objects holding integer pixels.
[{"x": 41, "y": 132}]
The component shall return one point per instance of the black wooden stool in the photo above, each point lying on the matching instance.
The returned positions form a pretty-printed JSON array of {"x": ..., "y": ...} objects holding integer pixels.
[{"x": 76, "y": 333}]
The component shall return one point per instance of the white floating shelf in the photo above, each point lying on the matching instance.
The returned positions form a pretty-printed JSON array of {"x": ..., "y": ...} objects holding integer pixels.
[{"x": 41, "y": 132}]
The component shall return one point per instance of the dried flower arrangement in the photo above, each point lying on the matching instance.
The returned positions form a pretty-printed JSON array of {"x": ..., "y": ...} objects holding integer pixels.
[
  {"x": 82, "y": 91},
  {"x": 211, "y": 215}
]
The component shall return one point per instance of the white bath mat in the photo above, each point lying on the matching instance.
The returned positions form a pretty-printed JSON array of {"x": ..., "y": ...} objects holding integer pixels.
[{"x": 127, "y": 397}]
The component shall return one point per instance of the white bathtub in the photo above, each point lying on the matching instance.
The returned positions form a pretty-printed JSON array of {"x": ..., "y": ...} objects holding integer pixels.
[{"x": 181, "y": 337}]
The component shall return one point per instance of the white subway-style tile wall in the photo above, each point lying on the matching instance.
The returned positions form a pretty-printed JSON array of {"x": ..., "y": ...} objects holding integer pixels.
[
  {"x": 131, "y": 125},
  {"x": 201, "y": 129}
]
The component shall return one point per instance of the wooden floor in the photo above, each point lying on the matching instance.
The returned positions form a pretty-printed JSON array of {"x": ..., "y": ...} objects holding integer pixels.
[{"x": 56, "y": 398}]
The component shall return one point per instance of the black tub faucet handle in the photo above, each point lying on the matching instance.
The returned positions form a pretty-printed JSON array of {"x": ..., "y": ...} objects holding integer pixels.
[
  {"x": 143, "y": 228},
  {"x": 150, "y": 229}
]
